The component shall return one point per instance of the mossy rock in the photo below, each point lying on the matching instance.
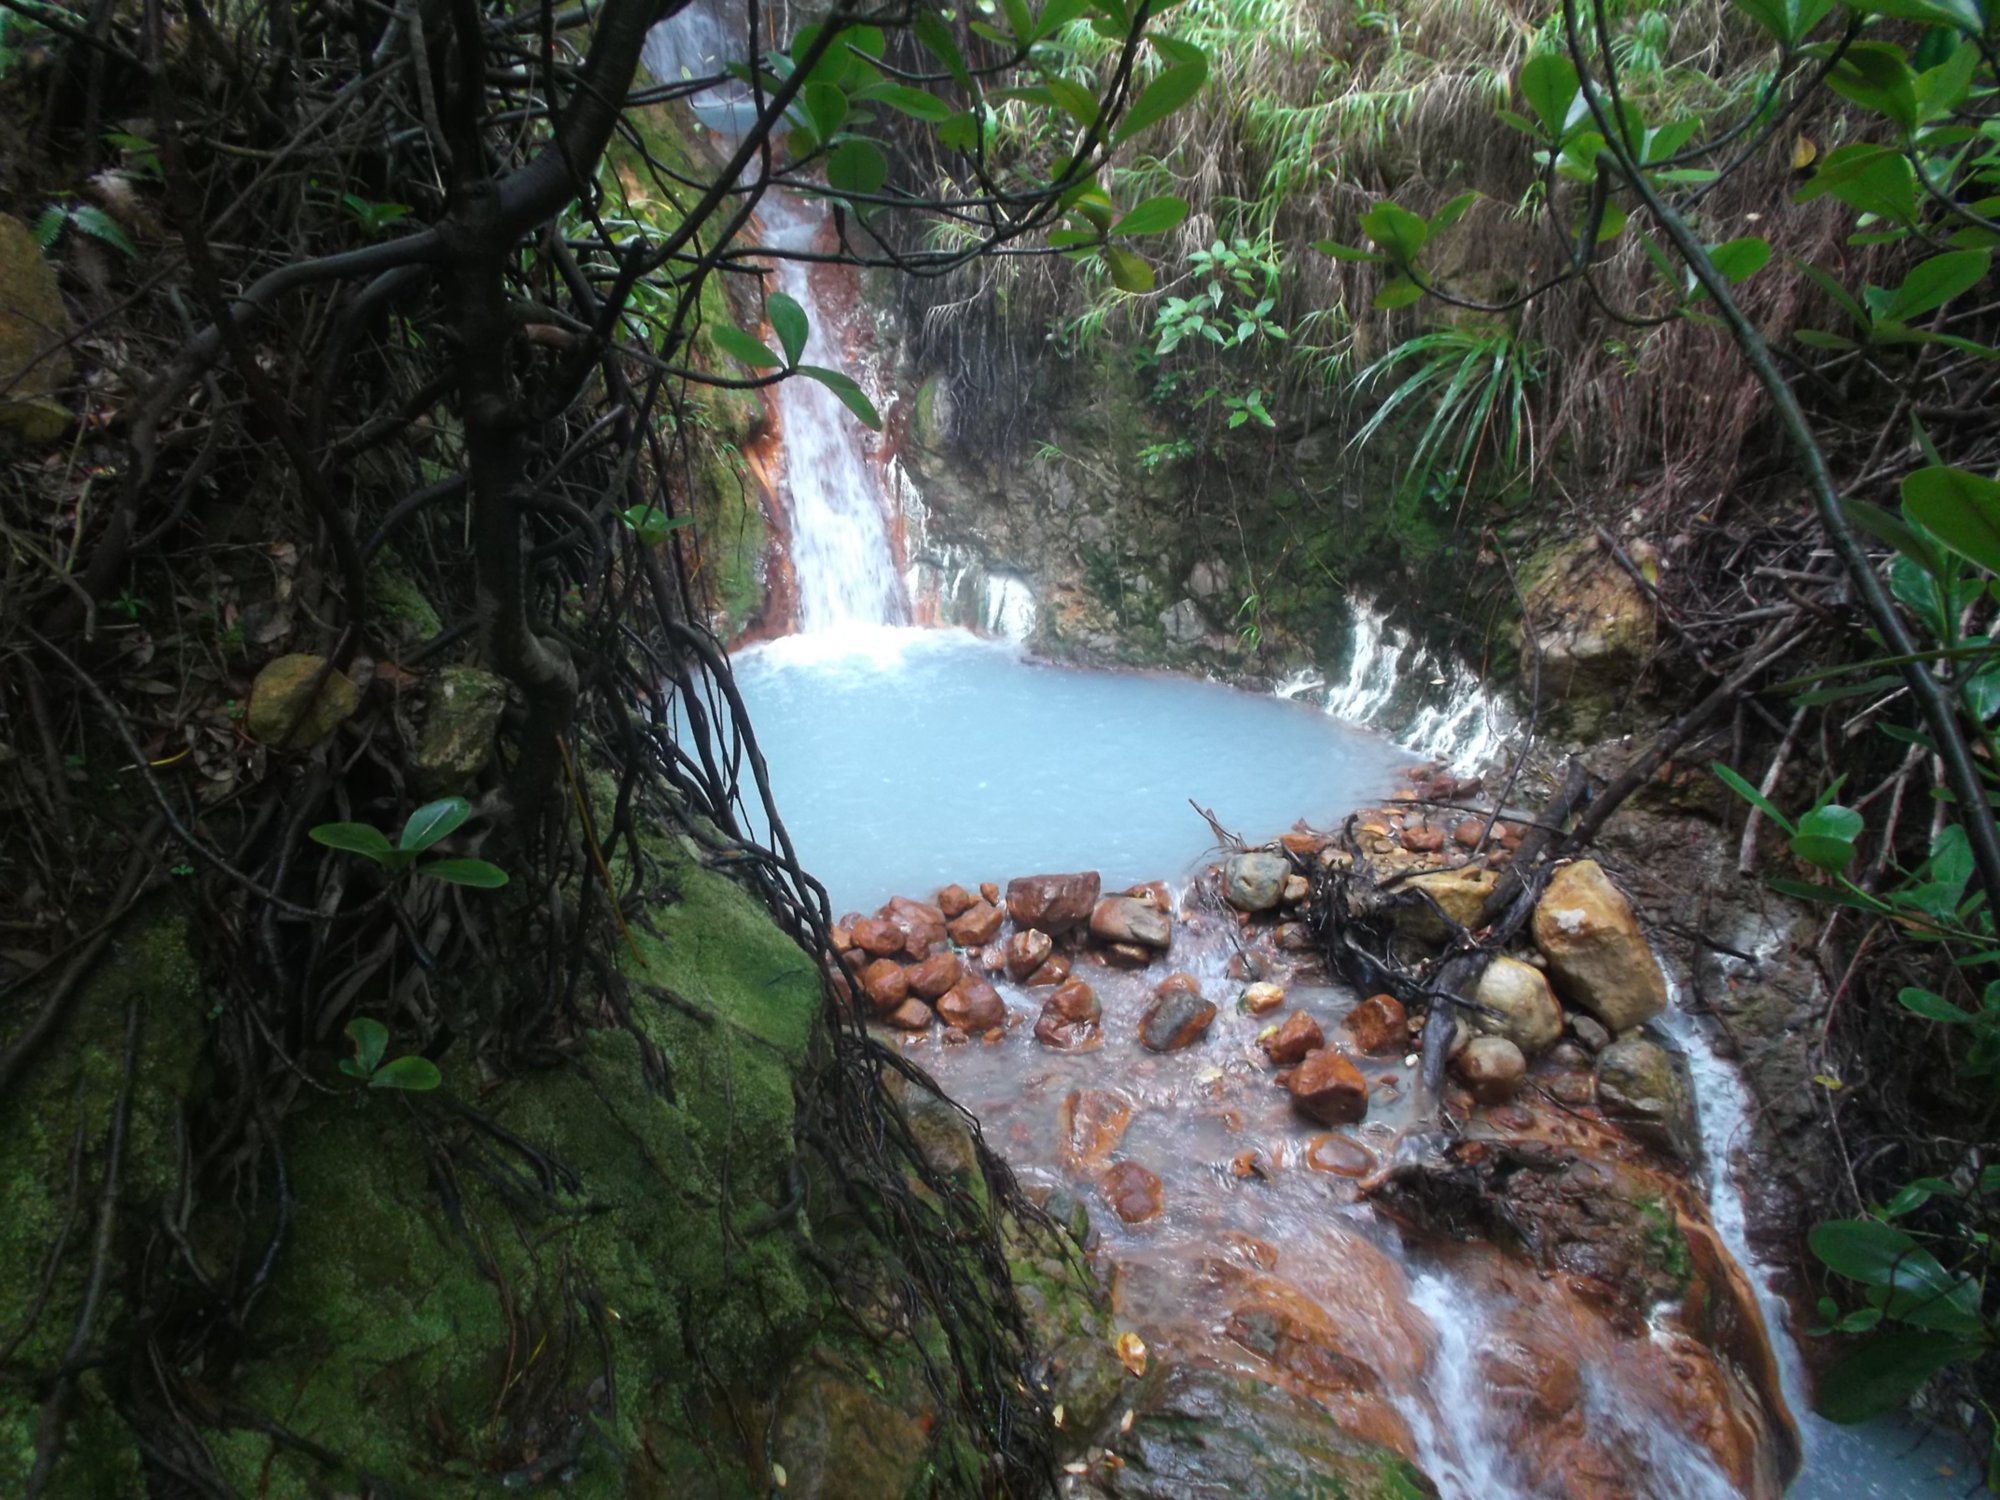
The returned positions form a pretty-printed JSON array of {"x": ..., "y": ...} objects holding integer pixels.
[
  {"x": 32, "y": 320},
  {"x": 461, "y": 713}
]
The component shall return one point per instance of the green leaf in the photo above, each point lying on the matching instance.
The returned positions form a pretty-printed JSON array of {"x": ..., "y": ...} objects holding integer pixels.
[
  {"x": 1154, "y": 216},
  {"x": 1398, "y": 291},
  {"x": 915, "y": 103},
  {"x": 1960, "y": 509},
  {"x": 826, "y": 106},
  {"x": 1863, "y": 1250},
  {"x": 1751, "y": 795},
  {"x": 1350, "y": 252},
  {"x": 788, "y": 322},
  {"x": 1160, "y": 98},
  {"x": 353, "y": 838},
  {"x": 1963, "y": 14},
  {"x": 1451, "y": 212},
  {"x": 413, "y": 1075},
  {"x": 1548, "y": 83},
  {"x": 1879, "y": 1377},
  {"x": 1740, "y": 259},
  {"x": 857, "y": 168},
  {"x": 1826, "y": 837},
  {"x": 960, "y": 132},
  {"x": 851, "y": 395},
  {"x": 651, "y": 524},
  {"x": 1887, "y": 527},
  {"x": 369, "y": 1038},
  {"x": 49, "y": 226},
  {"x": 432, "y": 822},
  {"x": 1934, "y": 282},
  {"x": 1076, "y": 101},
  {"x": 473, "y": 872},
  {"x": 1129, "y": 272},
  {"x": 99, "y": 225},
  {"x": 940, "y": 43},
  {"x": 1398, "y": 231},
  {"x": 737, "y": 343},
  {"x": 1875, "y": 75},
  {"x": 1932, "y": 1007},
  {"x": 1869, "y": 179}
]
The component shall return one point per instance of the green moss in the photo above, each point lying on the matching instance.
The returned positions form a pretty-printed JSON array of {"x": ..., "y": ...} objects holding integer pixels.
[{"x": 395, "y": 599}]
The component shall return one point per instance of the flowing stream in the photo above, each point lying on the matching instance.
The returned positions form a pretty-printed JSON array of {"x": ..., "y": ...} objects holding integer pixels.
[{"x": 907, "y": 759}]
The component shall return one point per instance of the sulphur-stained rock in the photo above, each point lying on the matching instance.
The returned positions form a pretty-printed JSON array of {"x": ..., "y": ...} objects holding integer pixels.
[
  {"x": 1051, "y": 1030},
  {"x": 1297, "y": 888},
  {"x": 1589, "y": 1031},
  {"x": 1593, "y": 632},
  {"x": 1328, "y": 1088},
  {"x": 1421, "y": 838},
  {"x": 885, "y": 984},
  {"x": 1091, "y": 1125},
  {"x": 1260, "y": 998},
  {"x": 1054, "y": 904},
  {"x": 1294, "y": 937},
  {"x": 1127, "y": 919},
  {"x": 1074, "y": 1000},
  {"x": 1640, "y": 1088},
  {"x": 1492, "y": 1067},
  {"x": 911, "y": 1015},
  {"x": 1175, "y": 1020},
  {"x": 1341, "y": 1155},
  {"x": 1055, "y": 971},
  {"x": 299, "y": 700},
  {"x": 1377, "y": 1024},
  {"x": 1288, "y": 1043},
  {"x": 922, "y": 925},
  {"x": 934, "y": 975},
  {"x": 973, "y": 1004},
  {"x": 1459, "y": 894},
  {"x": 1026, "y": 952},
  {"x": 1256, "y": 881},
  {"x": 1134, "y": 1193},
  {"x": 879, "y": 937},
  {"x": 1153, "y": 892},
  {"x": 1597, "y": 956},
  {"x": 976, "y": 926},
  {"x": 1528, "y": 1015},
  {"x": 955, "y": 901}
]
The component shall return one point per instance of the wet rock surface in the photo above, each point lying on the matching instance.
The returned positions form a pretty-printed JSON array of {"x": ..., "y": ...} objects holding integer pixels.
[{"x": 1598, "y": 957}]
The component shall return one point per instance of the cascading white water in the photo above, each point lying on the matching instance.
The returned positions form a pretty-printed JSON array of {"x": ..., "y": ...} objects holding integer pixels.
[
  {"x": 1440, "y": 710},
  {"x": 841, "y": 557}
]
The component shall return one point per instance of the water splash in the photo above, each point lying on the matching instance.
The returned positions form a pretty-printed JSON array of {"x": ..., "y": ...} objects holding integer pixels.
[
  {"x": 1438, "y": 709},
  {"x": 1456, "y": 1445}
]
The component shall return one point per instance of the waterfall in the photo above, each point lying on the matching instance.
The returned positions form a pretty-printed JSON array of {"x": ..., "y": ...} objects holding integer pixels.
[{"x": 1437, "y": 708}]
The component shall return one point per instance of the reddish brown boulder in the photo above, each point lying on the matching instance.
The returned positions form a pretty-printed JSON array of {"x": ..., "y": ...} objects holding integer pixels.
[
  {"x": 841, "y": 937},
  {"x": 1051, "y": 1030},
  {"x": 911, "y": 1015},
  {"x": 989, "y": 893},
  {"x": 1305, "y": 844},
  {"x": 973, "y": 1004},
  {"x": 1127, "y": 919},
  {"x": 1134, "y": 1193},
  {"x": 1074, "y": 1001},
  {"x": 922, "y": 925},
  {"x": 1466, "y": 835},
  {"x": 1126, "y": 955},
  {"x": 1091, "y": 1125},
  {"x": 1289, "y": 1043},
  {"x": 934, "y": 975},
  {"x": 1180, "y": 982},
  {"x": 1328, "y": 1088},
  {"x": 1294, "y": 937},
  {"x": 1423, "y": 839},
  {"x": 1178, "y": 1018},
  {"x": 1377, "y": 1024},
  {"x": 1055, "y": 971},
  {"x": 955, "y": 901},
  {"x": 885, "y": 984},
  {"x": 879, "y": 937},
  {"x": 976, "y": 926},
  {"x": 1026, "y": 952},
  {"x": 1153, "y": 892},
  {"x": 1053, "y": 903}
]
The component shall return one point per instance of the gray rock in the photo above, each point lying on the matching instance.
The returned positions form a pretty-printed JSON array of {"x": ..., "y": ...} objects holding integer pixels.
[
  {"x": 1590, "y": 1031},
  {"x": 1208, "y": 578},
  {"x": 1179, "y": 1018},
  {"x": 1642, "y": 1089},
  {"x": 1183, "y": 623},
  {"x": 1127, "y": 919},
  {"x": 461, "y": 713},
  {"x": 1492, "y": 1068},
  {"x": 1255, "y": 882}
]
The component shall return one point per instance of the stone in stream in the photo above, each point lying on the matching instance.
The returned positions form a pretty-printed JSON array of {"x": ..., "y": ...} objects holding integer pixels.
[
  {"x": 1261, "y": 997},
  {"x": 1589, "y": 1031},
  {"x": 1492, "y": 1067},
  {"x": 1460, "y": 894},
  {"x": 1055, "y": 971},
  {"x": 1421, "y": 838},
  {"x": 1255, "y": 882},
  {"x": 879, "y": 937},
  {"x": 1341, "y": 1155},
  {"x": 1178, "y": 1017},
  {"x": 911, "y": 1015},
  {"x": 1074, "y": 1000},
  {"x": 1597, "y": 956},
  {"x": 885, "y": 984},
  {"x": 989, "y": 893},
  {"x": 1247, "y": 963},
  {"x": 1297, "y": 888},
  {"x": 922, "y": 924},
  {"x": 1294, "y": 937},
  {"x": 1051, "y": 1030},
  {"x": 1054, "y": 904},
  {"x": 1027, "y": 951},
  {"x": 1133, "y": 922},
  {"x": 1134, "y": 1193},
  {"x": 1528, "y": 1015},
  {"x": 934, "y": 975},
  {"x": 976, "y": 926},
  {"x": 1289, "y": 1043},
  {"x": 1069, "y": 1017},
  {"x": 1640, "y": 1089},
  {"x": 1328, "y": 1088},
  {"x": 1377, "y": 1024},
  {"x": 1091, "y": 1125},
  {"x": 955, "y": 901},
  {"x": 972, "y": 1004}
]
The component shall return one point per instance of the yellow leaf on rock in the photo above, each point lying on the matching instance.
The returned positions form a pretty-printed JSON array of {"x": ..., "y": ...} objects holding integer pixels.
[
  {"x": 1804, "y": 153},
  {"x": 1132, "y": 1353},
  {"x": 778, "y": 1475}
]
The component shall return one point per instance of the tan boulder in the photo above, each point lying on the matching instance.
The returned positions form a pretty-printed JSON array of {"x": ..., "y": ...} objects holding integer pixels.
[
  {"x": 1460, "y": 894},
  {"x": 1598, "y": 957},
  {"x": 299, "y": 700},
  {"x": 33, "y": 326},
  {"x": 1594, "y": 630},
  {"x": 1529, "y": 1015}
]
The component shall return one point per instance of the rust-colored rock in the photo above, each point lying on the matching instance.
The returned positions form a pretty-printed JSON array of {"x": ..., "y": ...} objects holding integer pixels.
[
  {"x": 1026, "y": 952},
  {"x": 936, "y": 974},
  {"x": 1054, "y": 904},
  {"x": 922, "y": 925},
  {"x": 975, "y": 926},
  {"x": 1294, "y": 937},
  {"x": 955, "y": 901},
  {"x": 1377, "y": 1024},
  {"x": 1341, "y": 1155},
  {"x": 1466, "y": 834},
  {"x": 1328, "y": 1088},
  {"x": 885, "y": 984},
  {"x": 1074, "y": 1000},
  {"x": 1178, "y": 1018},
  {"x": 841, "y": 936},
  {"x": 1305, "y": 844},
  {"x": 1126, "y": 955},
  {"x": 1129, "y": 920},
  {"x": 1421, "y": 838},
  {"x": 1288, "y": 1044},
  {"x": 1134, "y": 1193},
  {"x": 1051, "y": 1030},
  {"x": 879, "y": 937},
  {"x": 973, "y": 1004},
  {"x": 1153, "y": 892},
  {"x": 989, "y": 893},
  {"x": 911, "y": 1015},
  {"x": 1178, "y": 983},
  {"x": 1092, "y": 1124},
  {"x": 1055, "y": 971}
]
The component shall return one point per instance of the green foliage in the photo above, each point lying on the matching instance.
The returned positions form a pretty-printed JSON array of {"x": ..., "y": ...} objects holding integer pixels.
[
  {"x": 1473, "y": 386},
  {"x": 376, "y": 218},
  {"x": 650, "y": 524},
  {"x": 65, "y": 215},
  {"x": 425, "y": 827},
  {"x": 411, "y": 1074}
]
